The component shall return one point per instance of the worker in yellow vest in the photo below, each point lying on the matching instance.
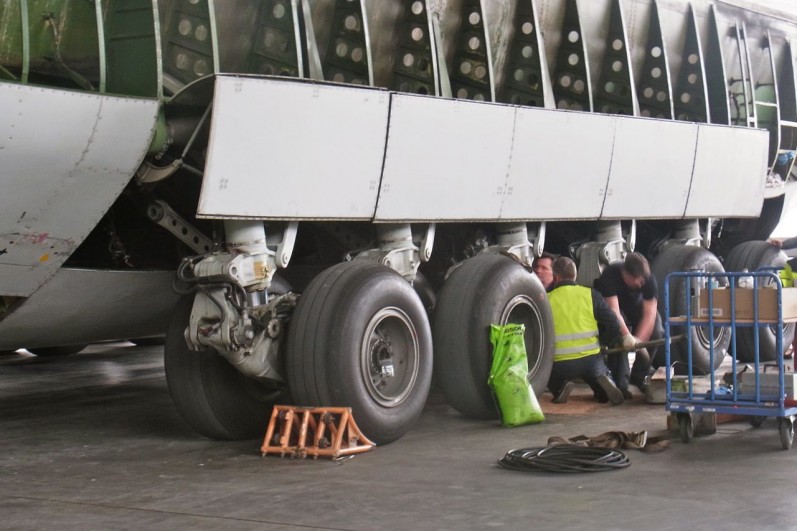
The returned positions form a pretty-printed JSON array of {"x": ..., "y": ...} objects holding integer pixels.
[
  {"x": 582, "y": 321},
  {"x": 787, "y": 276}
]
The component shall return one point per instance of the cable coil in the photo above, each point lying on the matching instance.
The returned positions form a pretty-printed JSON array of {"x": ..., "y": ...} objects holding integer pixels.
[{"x": 564, "y": 458}]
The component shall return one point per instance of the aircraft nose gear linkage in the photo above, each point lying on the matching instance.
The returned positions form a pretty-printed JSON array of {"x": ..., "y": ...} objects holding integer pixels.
[{"x": 233, "y": 311}]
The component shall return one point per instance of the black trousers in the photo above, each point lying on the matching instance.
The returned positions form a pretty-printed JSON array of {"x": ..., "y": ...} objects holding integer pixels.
[
  {"x": 588, "y": 369},
  {"x": 618, "y": 363}
]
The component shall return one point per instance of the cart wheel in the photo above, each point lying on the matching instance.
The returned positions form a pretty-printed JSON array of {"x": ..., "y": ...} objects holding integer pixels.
[
  {"x": 786, "y": 429},
  {"x": 756, "y": 420},
  {"x": 686, "y": 427}
]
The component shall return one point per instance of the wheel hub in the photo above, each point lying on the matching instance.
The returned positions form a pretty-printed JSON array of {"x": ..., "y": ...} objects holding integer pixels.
[
  {"x": 382, "y": 359},
  {"x": 521, "y": 310},
  {"x": 390, "y": 357}
]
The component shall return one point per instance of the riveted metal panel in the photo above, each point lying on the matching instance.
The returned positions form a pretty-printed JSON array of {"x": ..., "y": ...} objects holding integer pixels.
[
  {"x": 445, "y": 160},
  {"x": 560, "y": 165},
  {"x": 293, "y": 150},
  {"x": 64, "y": 159},
  {"x": 651, "y": 169},
  {"x": 729, "y": 174}
]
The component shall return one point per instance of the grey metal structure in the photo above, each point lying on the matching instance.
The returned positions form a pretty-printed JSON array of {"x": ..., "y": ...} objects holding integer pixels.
[{"x": 324, "y": 175}]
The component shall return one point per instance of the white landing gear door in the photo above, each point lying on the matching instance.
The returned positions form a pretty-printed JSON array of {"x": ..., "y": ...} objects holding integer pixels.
[
  {"x": 283, "y": 149},
  {"x": 65, "y": 156}
]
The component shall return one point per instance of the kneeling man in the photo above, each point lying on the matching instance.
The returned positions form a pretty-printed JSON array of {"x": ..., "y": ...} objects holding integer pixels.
[{"x": 582, "y": 321}]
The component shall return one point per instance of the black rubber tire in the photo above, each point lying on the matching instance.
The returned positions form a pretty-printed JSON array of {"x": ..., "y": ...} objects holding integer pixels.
[
  {"x": 484, "y": 290},
  {"x": 739, "y": 230},
  {"x": 148, "y": 341},
  {"x": 786, "y": 432},
  {"x": 752, "y": 255},
  {"x": 52, "y": 352},
  {"x": 686, "y": 427},
  {"x": 687, "y": 258},
  {"x": 425, "y": 292},
  {"x": 214, "y": 398},
  {"x": 349, "y": 316},
  {"x": 756, "y": 420}
]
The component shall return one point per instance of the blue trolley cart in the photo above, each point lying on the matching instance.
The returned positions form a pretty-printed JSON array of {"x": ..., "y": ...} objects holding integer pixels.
[{"x": 757, "y": 393}]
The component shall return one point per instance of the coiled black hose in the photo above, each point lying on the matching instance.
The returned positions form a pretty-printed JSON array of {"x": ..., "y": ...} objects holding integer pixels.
[{"x": 564, "y": 458}]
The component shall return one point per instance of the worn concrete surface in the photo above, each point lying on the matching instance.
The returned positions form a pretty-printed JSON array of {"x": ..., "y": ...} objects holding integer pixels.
[{"x": 92, "y": 441}]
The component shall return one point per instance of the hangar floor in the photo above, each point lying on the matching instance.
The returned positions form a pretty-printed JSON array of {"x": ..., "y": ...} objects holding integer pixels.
[{"x": 92, "y": 441}]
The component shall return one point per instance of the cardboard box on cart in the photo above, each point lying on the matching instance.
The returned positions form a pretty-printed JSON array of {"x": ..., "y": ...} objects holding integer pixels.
[{"x": 767, "y": 304}]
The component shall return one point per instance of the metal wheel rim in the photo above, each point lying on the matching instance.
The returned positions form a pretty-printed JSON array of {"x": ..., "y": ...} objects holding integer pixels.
[
  {"x": 390, "y": 339},
  {"x": 521, "y": 310},
  {"x": 703, "y": 338}
]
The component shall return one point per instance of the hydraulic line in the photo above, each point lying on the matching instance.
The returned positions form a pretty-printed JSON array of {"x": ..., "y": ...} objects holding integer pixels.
[{"x": 564, "y": 458}]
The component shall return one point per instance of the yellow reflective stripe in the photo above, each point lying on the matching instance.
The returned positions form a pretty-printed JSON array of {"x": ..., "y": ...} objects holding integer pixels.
[
  {"x": 577, "y": 348},
  {"x": 579, "y": 355},
  {"x": 582, "y": 335}
]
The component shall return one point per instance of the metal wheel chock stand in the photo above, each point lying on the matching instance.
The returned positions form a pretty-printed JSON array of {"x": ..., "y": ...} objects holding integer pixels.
[{"x": 315, "y": 431}]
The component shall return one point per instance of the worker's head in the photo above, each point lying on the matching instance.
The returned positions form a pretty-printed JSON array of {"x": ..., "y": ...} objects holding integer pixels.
[
  {"x": 564, "y": 269},
  {"x": 543, "y": 268},
  {"x": 635, "y": 270}
]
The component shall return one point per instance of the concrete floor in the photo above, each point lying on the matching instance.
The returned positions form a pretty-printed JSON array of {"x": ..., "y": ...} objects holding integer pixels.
[{"x": 92, "y": 441}]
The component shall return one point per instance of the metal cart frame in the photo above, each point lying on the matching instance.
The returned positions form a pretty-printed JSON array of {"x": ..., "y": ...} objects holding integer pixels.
[{"x": 757, "y": 403}]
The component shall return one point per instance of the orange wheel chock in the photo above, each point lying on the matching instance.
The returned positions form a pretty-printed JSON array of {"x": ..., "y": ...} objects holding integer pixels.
[{"x": 315, "y": 431}]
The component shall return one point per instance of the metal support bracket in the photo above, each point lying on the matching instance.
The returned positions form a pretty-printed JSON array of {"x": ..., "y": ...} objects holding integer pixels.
[
  {"x": 427, "y": 242},
  {"x": 248, "y": 338},
  {"x": 398, "y": 250},
  {"x": 537, "y": 236},
  {"x": 249, "y": 261},
  {"x": 150, "y": 173},
  {"x": 162, "y": 214},
  {"x": 607, "y": 246},
  {"x": 513, "y": 238},
  {"x": 286, "y": 244},
  {"x": 686, "y": 232},
  {"x": 232, "y": 312}
]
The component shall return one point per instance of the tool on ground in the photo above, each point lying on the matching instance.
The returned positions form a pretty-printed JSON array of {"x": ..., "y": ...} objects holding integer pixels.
[
  {"x": 564, "y": 458},
  {"x": 626, "y": 440},
  {"x": 315, "y": 431},
  {"x": 644, "y": 344}
]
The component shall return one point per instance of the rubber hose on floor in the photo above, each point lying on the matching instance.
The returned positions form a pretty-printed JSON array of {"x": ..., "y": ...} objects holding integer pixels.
[{"x": 564, "y": 458}]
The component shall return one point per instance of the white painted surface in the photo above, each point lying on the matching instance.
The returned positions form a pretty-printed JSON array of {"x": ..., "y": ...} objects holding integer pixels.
[
  {"x": 729, "y": 174},
  {"x": 294, "y": 150},
  {"x": 651, "y": 171},
  {"x": 445, "y": 160},
  {"x": 291, "y": 150},
  {"x": 787, "y": 228},
  {"x": 65, "y": 156},
  {"x": 560, "y": 165}
]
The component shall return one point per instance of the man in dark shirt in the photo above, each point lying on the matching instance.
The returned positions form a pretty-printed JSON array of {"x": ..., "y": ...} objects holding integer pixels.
[{"x": 632, "y": 293}]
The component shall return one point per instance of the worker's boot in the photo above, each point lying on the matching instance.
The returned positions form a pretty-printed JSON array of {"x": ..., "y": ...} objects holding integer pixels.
[
  {"x": 612, "y": 391},
  {"x": 562, "y": 396}
]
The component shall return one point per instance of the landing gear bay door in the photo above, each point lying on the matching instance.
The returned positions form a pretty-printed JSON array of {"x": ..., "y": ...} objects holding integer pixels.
[{"x": 289, "y": 150}]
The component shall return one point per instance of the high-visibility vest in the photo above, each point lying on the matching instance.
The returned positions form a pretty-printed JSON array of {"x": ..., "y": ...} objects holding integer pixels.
[
  {"x": 786, "y": 276},
  {"x": 574, "y": 323}
]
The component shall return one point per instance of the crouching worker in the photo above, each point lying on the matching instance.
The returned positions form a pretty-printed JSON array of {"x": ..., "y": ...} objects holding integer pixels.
[{"x": 582, "y": 321}]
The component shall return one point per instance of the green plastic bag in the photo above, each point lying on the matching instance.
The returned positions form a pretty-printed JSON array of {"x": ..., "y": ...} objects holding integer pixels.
[{"x": 514, "y": 396}]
